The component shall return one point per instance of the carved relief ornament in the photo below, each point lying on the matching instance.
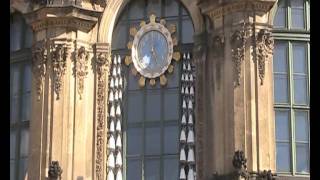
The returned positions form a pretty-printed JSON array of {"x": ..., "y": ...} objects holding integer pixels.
[
  {"x": 82, "y": 58},
  {"x": 39, "y": 62},
  {"x": 218, "y": 45},
  {"x": 59, "y": 65},
  {"x": 264, "y": 50},
  {"x": 238, "y": 49}
]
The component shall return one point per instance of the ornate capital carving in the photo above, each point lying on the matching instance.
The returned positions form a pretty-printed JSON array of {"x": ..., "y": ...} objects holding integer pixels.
[
  {"x": 239, "y": 162},
  {"x": 81, "y": 68},
  {"x": 264, "y": 50},
  {"x": 59, "y": 55},
  {"x": 55, "y": 170},
  {"x": 218, "y": 45},
  {"x": 39, "y": 64},
  {"x": 238, "y": 40}
]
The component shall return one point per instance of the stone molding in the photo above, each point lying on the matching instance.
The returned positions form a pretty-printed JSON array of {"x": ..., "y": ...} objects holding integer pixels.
[{"x": 81, "y": 68}]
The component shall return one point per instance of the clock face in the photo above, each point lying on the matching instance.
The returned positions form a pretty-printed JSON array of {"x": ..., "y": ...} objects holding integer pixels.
[{"x": 152, "y": 50}]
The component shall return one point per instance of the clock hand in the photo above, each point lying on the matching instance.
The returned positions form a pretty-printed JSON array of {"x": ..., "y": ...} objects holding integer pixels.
[{"x": 153, "y": 54}]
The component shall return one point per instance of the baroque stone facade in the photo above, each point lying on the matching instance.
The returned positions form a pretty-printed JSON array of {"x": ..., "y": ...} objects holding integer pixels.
[{"x": 71, "y": 61}]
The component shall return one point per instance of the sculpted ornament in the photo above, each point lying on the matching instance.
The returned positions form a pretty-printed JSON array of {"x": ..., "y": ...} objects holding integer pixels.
[
  {"x": 218, "y": 45},
  {"x": 55, "y": 170},
  {"x": 264, "y": 45},
  {"x": 59, "y": 64},
  {"x": 82, "y": 59},
  {"x": 238, "y": 48},
  {"x": 39, "y": 61}
]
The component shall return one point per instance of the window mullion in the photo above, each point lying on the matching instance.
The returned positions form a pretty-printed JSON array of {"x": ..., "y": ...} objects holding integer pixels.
[{"x": 288, "y": 15}]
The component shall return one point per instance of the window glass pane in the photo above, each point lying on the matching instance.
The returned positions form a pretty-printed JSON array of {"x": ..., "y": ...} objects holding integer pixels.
[
  {"x": 302, "y": 126},
  {"x": 153, "y": 105},
  {"x": 280, "y": 17},
  {"x": 134, "y": 136},
  {"x": 171, "y": 168},
  {"x": 171, "y": 140},
  {"x": 12, "y": 144},
  {"x": 300, "y": 89},
  {"x": 171, "y": 105},
  {"x": 16, "y": 32},
  {"x": 283, "y": 157},
  {"x": 136, "y": 9},
  {"x": 152, "y": 169},
  {"x": 119, "y": 37},
  {"x": 152, "y": 143},
  {"x": 281, "y": 88},
  {"x": 299, "y": 58},
  {"x": 282, "y": 125},
  {"x": 133, "y": 80},
  {"x": 173, "y": 79},
  {"x": 302, "y": 158},
  {"x": 297, "y": 13},
  {"x": 135, "y": 107},
  {"x": 28, "y": 37},
  {"x": 280, "y": 60},
  {"x": 26, "y": 107},
  {"x": 15, "y": 73},
  {"x": 171, "y": 8},
  {"x": 134, "y": 169},
  {"x": 24, "y": 143},
  {"x": 27, "y": 78},
  {"x": 154, "y": 6},
  {"x": 187, "y": 31},
  {"x": 12, "y": 169},
  {"x": 14, "y": 110},
  {"x": 23, "y": 168},
  {"x": 15, "y": 86}
]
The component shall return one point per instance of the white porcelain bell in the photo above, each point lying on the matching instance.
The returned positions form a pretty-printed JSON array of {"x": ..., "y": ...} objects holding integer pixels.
[
  {"x": 184, "y": 104},
  {"x": 190, "y": 156},
  {"x": 184, "y": 66},
  {"x": 111, "y": 160},
  {"x": 189, "y": 67},
  {"x": 112, "y": 111},
  {"x": 114, "y": 72},
  {"x": 116, "y": 82},
  {"x": 191, "y": 78},
  {"x": 111, "y": 97},
  {"x": 115, "y": 60},
  {"x": 182, "y": 173},
  {"x": 183, "y": 120},
  {"x": 119, "y": 70},
  {"x": 190, "y": 106},
  {"x": 111, "y": 83},
  {"x": 190, "y": 138},
  {"x": 111, "y": 143},
  {"x": 118, "y": 111},
  {"x": 116, "y": 96},
  {"x": 191, "y": 90},
  {"x": 182, "y": 89},
  {"x": 186, "y": 91},
  {"x": 182, "y": 155},
  {"x": 182, "y": 77},
  {"x": 190, "y": 174},
  {"x": 118, "y": 126},
  {"x": 183, "y": 136},
  {"x": 118, "y": 142},
  {"x": 120, "y": 95},
  {"x": 119, "y": 159},
  {"x": 119, "y": 59},
  {"x": 184, "y": 55},
  {"x": 120, "y": 81},
  {"x": 186, "y": 77},
  {"x": 188, "y": 56},
  {"x": 110, "y": 175},
  {"x": 111, "y": 128},
  {"x": 190, "y": 119},
  {"x": 119, "y": 175}
]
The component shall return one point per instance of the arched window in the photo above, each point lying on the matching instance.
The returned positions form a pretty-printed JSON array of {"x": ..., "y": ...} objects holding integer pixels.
[
  {"x": 291, "y": 86},
  {"x": 152, "y": 114},
  {"x": 20, "y": 95}
]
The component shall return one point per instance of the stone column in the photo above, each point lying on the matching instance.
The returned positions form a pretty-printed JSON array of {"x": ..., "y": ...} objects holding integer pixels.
[
  {"x": 239, "y": 79},
  {"x": 68, "y": 103}
]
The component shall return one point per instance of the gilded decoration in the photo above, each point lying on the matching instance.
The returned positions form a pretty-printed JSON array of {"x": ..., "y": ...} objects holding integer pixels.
[
  {"x": 39, "y": 65},
  {"x": 264, "y": 50},
  {"x": 59, "y": 64},
  {"x": 82, "y": 58}
]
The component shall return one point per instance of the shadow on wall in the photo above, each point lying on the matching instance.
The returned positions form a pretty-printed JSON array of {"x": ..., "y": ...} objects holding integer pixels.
[{"x": 79, "y": 178}]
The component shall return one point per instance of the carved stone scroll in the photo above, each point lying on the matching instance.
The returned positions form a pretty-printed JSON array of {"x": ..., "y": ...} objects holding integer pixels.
[
  {"x": 39, "y": 63},
  {"x": 55, "y": 170},
  {"x": 59, "y": 65},
  {"x": 82, "y": 58},
  {"x": 264, "y": 50}
]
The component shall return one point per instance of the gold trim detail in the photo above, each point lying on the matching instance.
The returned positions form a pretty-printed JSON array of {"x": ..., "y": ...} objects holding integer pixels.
[
  {"x": 163, "y": 80},
  {"x": 176, "y": 56},
  {"x": 142, "y": 81}
]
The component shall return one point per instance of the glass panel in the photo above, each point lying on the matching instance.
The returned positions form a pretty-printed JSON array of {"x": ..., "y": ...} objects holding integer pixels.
[
  {"x": 302, "y": 158},
  {"x": 283, "y": 157},
  {"x": 15, "y": 86},
  {"x": 280, "y": 60},
  {"x": 281, "y": 88},
  {"x": 171, "y": 105},
  {"x": 297, "y": 13},
  {"x": 171, "y": 140},
  {"x": 24, "y": 143},
  {"x": 119, "y": 37},
  {"x": 27, "y": 78},
  {"x": 15, "y": 73},
  {"x": 26, "y": 107},
  {"x": 152, "y": 169},
  {"x": 136, "y": 9},
  {"x": 28, "y": 37},
  {"x": 173, "y": 79},
  {"x": 23, "y": 168},
  {"x": 299, "y": 58},
  {"x": 12, "y": 169},
  {"x": 134, "y": 136},
  {"x": 133, "y": 80},
  {"x": 153, "y": 106},
  {"x": 280, "y": 17},
  {"x": 184, "y": 10},
  {"x": 302, "y": 127},
  {"x": 134, "y": 169},
  {"x": 300, "y": 89},
  {"x": 171, "y": 8},
  {"x": 154, "y": 6},
  {"x": 171, "y": 168},
  {"x": 12, "y": 144},
  {"x": 187, "y": 31},
  {"x": 282, "y": 125},
  {"x": 14, "y": 110},
  {"x": 16, "y": 32},
  {"x": 152, "y": 143},
  {"x": 135, "y": 107}
]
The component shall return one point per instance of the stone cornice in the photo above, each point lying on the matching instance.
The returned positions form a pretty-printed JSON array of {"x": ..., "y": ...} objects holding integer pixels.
[{"x": 258, "y": 6}]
